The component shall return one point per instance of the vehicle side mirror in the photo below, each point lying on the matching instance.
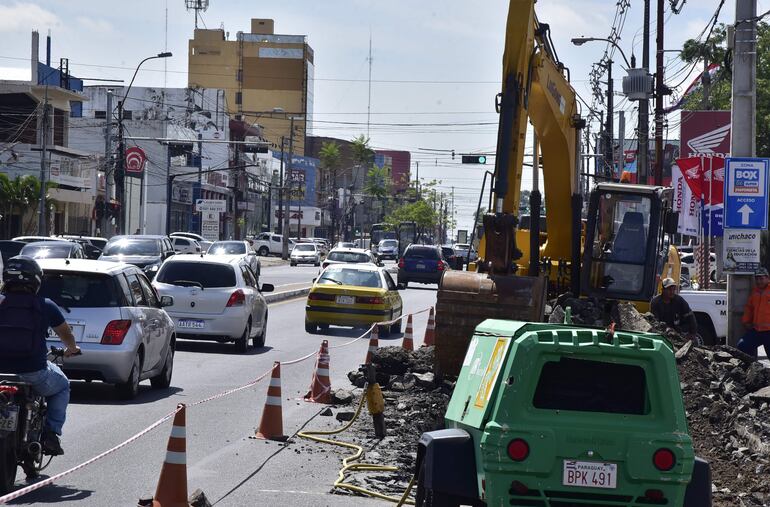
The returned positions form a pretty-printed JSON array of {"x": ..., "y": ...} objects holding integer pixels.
[
  {"x": 166, "y": 301},
  {"x": 313, "y": 280},
  {"x": 267, "y": 287},
  {"x": 380, "y": 263},
  {"x": 671, "y": 222}
]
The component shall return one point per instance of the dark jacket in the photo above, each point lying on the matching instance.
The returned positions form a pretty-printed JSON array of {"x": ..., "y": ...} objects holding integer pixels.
[{"x": 676, "y": 314}]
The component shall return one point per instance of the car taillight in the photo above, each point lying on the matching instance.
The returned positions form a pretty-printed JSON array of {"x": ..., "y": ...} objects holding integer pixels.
[
  {"x": 664, "y": 459},
  {"x": 115, "y": 332},
  {"x": 401, "y": 262},
  {"x": 9, "y": 389},
  {"x": 518, "y": 449},
  {"x": 440, "y": 266},
  {"x": 369, "y": 300},
  {"x": 237, "y": 298},
  {"x": 320, "y": 296}
]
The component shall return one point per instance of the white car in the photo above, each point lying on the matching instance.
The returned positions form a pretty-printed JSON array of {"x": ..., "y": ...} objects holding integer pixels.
[
  {"x": 237, "y": 247},
  {"x": 305, "y": 253},
  {"x": 691, "y": 269},
  {"x": 185, "y": 245},
  {"x": 204, "y": 243},
  {"x": 349, "y": 256},
  {"x": 216, "y": 297},
  {"x": 117, "y": 319}
]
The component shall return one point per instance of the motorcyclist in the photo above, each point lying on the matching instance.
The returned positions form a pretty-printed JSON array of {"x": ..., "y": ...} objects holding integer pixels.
[{"x": 24, "y": 321}]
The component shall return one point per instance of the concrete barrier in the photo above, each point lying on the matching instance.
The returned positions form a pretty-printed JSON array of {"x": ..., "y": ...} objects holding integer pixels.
[{"x": 274, "y": 297}]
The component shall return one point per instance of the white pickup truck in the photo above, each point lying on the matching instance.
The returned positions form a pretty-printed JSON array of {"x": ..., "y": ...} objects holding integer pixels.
[
  {"x": 710, "y": 309},
  {"x": 267, "y": 243}
]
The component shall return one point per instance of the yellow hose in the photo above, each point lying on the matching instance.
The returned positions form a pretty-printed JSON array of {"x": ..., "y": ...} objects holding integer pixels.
[{"x": 348, "y": 466}]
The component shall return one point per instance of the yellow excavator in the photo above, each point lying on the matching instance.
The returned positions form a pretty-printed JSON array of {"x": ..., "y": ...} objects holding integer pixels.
[{"x": 618, "y": 252}]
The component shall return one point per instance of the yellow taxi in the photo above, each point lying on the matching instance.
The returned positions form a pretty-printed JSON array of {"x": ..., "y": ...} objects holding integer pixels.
[{"x": 356, "y": 295}]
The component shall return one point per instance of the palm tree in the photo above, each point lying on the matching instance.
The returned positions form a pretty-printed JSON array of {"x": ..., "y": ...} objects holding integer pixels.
[
  {"x": 378, "y": 184},
  {"x": 363, "y": 154}
]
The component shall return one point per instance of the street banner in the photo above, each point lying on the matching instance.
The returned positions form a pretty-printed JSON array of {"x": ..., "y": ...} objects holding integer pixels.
[
  {"x": 705, "y": 176},
  {"x": 705, "y": 134},
  {"x": 685, "y": 203},
  {"x": 741, "y": 251}
]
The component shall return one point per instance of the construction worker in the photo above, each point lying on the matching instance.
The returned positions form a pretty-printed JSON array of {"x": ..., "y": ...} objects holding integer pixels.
[
  {"x": 756, "y": 316},
  {"x": 671, "y": 308}
]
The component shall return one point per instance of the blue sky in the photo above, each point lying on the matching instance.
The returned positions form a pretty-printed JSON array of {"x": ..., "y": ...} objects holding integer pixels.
[{"x": 435, "y": 64}]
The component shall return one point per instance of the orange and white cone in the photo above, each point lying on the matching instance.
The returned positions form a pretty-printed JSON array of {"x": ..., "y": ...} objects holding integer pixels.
[
  {"x": 172, "y": 484},
  {"x": 321, "y": 386},
  {"x": 271, "y": 424},
  {"x": 374, "y": 343},
  {"x": 430, "y": 330},
  {"x": 408, "y": 343}
]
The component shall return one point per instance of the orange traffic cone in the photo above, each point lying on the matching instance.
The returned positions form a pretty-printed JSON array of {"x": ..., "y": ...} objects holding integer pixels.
[
  {"x": 172, "y": 485},
  {"x": 374, "y": 339},
  {"x": 430, "y": 330},
  {"x": 408, "y": 343},
  {"x": 271, "y": 424},
  {"x": 321, "y": 385}
]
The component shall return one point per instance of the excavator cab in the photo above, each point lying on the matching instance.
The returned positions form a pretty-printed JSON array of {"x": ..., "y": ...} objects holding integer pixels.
[{"x": 626, "y": 243}]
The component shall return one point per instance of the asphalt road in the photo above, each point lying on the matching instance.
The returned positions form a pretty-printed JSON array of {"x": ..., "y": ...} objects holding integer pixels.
[
  {"x": 285, "y": 277},
  {"x": 230, "y": 467}
]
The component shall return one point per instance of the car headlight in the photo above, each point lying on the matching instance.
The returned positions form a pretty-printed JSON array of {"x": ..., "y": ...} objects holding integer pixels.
[{"x": 152, "y": 268}]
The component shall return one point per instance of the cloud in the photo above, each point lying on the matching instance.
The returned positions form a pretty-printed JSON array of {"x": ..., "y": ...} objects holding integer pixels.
[
  {"x": 95, "y": 25},
  {"x": 23, "y": 17},
  {"x": 15, "y": 73}
]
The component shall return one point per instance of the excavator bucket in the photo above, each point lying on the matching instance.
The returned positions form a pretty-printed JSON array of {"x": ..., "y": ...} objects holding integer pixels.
[{"x": 465, "y": 299}]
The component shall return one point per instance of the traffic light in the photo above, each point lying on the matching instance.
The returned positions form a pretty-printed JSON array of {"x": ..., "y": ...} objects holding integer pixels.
[{"x": 474, "y": 159}]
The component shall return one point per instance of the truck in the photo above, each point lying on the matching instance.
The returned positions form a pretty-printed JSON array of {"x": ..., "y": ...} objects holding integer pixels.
[
  {"x": 710, "y": 309},
  {"x": 554, "y": 414},
  {"x": 267, "y": 243}
]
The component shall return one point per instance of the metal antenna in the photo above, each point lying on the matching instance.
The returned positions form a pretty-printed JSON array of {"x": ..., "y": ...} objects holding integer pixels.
[{"x": 198, "y": 6}]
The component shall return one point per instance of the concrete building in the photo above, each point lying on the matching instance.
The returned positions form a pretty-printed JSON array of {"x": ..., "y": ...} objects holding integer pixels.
[
  {"x": 267, "y": 77},
  {"x": 73, "y": 172}
]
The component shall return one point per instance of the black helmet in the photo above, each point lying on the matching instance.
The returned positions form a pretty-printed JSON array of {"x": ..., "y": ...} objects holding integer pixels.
[{"x": 22, "y": 273}]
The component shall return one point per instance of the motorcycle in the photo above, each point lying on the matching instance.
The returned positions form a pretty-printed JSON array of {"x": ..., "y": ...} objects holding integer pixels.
[{"x": 22, "y": 420}]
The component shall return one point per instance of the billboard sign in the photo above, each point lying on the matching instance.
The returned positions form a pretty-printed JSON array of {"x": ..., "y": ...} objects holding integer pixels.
[
  {"x": 135, "y": 160},
  {"x": 746, "y": 193}
]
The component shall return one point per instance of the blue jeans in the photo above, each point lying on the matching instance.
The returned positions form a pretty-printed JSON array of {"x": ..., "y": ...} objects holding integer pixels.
[
  {"x": 54, "y": 385},
  {"x": 751, "y": 341}
]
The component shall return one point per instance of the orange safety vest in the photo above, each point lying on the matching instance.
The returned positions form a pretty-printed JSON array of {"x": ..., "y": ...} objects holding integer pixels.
[{"x": 757, "y": 309}]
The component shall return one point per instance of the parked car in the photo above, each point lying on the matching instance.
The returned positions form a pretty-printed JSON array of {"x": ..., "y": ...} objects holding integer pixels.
[
  {"x": 464, "y": 250},
  {"x": 33, "y": 239},
  {"x": 267, "y": 243},
  {"x": 688, "y": 261},
  {"x": 353, "y": 295},
  {"x": 387, "y": 249},
  {"x": 53, "y": 250},
  {"x": 185, "y": 245},
  {"x": 323, "y": 243},
  {"x": 455, "y": 261},
  {"x": 237, "y": 247},
  {"x": 305, "y": 253},
  {"x": 216, "y": 297},
  {"x": 349, "y": 256},
  {"x": 204, "y": 243},
  {"x": 144, "y": 251},
  {"x": 117, "y": 319},
  {"x": 421, "y": 264},
  {"x": 10, "y": 248}
]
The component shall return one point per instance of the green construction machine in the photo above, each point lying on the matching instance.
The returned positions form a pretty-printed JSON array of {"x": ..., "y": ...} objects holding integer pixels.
[{"x": 553, "y": 415}]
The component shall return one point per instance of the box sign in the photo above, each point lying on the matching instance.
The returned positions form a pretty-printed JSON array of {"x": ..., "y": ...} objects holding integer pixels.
[
  {"x": 746, "y": 194},
  {"x": 741, "y": 250}
]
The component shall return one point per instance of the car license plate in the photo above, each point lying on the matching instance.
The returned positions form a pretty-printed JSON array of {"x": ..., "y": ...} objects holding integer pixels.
[
  {"x": 191, "y": 324},
  {"x": 590, "y": 474},
  {"x": 419, "y": 266},
  {"x": 9, "y": 418},
  {"x": 346, "y": 300}
]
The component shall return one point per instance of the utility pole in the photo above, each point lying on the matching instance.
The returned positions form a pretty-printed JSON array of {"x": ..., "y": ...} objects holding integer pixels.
[
  {"x": 743, "y": 142},
  {"x": 621, "y": 140},
  {"x": 120, "y": 175},
  {"x": 608, "y": 148},
  {"x": 642, "y": 155},
  {"x": 417, "y": 181},
  {"x": 41, "y": 221},
  {"x": 659, "y": 89},
  {"x": 279, "y": 222},
  {"x": 286, "y": 226},
  {"x": 108, "y": 169}
]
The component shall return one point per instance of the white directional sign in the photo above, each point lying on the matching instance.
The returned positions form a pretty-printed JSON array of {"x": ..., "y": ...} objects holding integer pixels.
[
  {"x": 746, "y": 193},
  {"x": 217, "y": 205}
]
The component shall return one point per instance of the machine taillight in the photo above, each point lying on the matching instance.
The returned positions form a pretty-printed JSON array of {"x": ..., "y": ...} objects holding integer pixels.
[
  {"x": 518, "y": 449},
  {"x": 654, "y": 495},
  {"x": 320, "y": 296},
  {"x": 237, "y": 298},
  {"x": 664, "y": 459},
  {"x": 401, "y": 262},
  {"x": 115, "y": 332},
  {"x": 9, "y": 389}
]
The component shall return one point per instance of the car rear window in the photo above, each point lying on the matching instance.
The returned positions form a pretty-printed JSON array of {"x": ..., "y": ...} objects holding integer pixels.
[
  {"x": 422, "y": 252},
  {"x": 305, "y": 248},
  {"x": 132, "y": 247},
  {"x": 389, "y": 242},
  {"x": 229, "y": 248},
  {"x": 348, "y": 257},
  {"x": 207, "y": 275},
  {"x": 80, "y": 290},
  {"x": 38, "y": 251},
  {"x": 447, "y": 252},
  {"x": 351, "y": 276},
  {"x": 592, "y": 386}
]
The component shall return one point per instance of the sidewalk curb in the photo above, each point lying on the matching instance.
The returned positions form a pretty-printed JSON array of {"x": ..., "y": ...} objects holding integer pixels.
[{"x": 288, "y": 294}]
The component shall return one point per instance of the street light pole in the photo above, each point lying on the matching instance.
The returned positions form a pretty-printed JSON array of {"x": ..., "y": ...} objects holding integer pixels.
[
  {"x": 41, "y": 221},
  {"x": 120, "y": 169}
]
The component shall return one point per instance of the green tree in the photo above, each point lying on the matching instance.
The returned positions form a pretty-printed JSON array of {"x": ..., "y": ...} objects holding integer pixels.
[
  {"x": 420, "y": 212},
  {"x": 18, "y": 195}
]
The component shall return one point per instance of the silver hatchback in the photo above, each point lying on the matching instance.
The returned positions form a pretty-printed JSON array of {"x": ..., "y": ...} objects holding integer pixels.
[{"x": 118, "y": 321}]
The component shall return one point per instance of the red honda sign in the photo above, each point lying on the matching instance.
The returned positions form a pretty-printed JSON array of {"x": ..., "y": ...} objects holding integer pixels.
[
  {"x": 135, "y": 160},
  {"x": 705, "y": 134}
]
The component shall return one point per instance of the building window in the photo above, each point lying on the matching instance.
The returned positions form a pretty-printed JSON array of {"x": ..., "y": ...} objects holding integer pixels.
[
  {"x": 128, "y": 115},
  {"x": 239, "y": 75},
  {"x": 100, "y": 115},
  {"x": 238, "y": 97}
]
